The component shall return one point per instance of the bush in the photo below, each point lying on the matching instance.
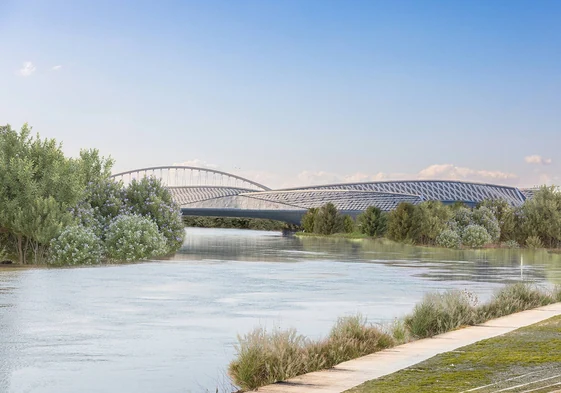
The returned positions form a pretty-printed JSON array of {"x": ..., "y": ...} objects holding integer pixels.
[
  {"x": 484, "y": 216},
  {"x": 463, "y": 217},
  {"x": 372, "y": 222},
  {"x": 131, "y": 238},
  {"x": 76, "y": 245},
  {"x": 534, "y": 242},
  {"x": 475, "y": 236},
  {"x": 400, "y": 222},
  {"x": 505, "y": 215},
  {"x": 510, "y": 244},
  {"x": 513, "y": 298},
  {"x": 149, "y": 198},
  {"x": 353, "y": 337},
  {"x": 439, "y": 313},
  {"x": 264, "y": 358},
  {"x": 449, "y": 239}
]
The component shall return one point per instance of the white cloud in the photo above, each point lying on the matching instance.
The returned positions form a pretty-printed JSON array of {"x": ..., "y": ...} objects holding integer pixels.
[
  {"x": 27, "y": 69},
  {"x": 537, "y": 160},
  {"x": 452, "y": 172},
  {"x": 56, "y": 68},
  {"x": 197, "y": 163}
]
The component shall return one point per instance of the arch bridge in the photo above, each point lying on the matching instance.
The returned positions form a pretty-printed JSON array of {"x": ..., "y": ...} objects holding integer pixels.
[{"x": 209, "y": 192}]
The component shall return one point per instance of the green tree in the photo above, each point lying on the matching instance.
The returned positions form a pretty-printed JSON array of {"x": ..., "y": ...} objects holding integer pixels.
[
  {"x": 429, "y": 220},
  {"x": 541, "y": 217},
  {"x": 372, "y": 222},
  {"x": 506, "y": 216},
  {"x": 348, "y": 224},
  {"x": 308, "y": 220},
  {"x": 328, "y": 220},
  {"x": 400, "y": 222},
  {"x": 38, "y": 187}
]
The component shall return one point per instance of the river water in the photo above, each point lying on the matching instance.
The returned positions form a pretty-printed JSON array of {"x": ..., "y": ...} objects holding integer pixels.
[{"x": 171, "y": 326}]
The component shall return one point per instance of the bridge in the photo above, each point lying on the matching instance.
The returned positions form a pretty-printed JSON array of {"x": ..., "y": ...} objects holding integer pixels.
[{"x": 209, "y": 192}]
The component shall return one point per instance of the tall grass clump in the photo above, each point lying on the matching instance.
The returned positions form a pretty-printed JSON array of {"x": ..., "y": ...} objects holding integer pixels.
[
  {"x": 264, "y": 358},
  {"x": 514, "y": 298},
  {"x": 439, "y": 313}
]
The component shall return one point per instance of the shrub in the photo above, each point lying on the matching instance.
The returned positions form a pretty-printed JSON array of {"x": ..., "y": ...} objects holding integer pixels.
[
  {"x": 513, "y": 298},
  {"x": 399, "y": 332},
  {"x": 463, "y": 217},
  {"x": 372, "y": 222},
  {"x": 353, "y": 337},
  {"x": 439, "y": 313},
  {"x": 132, "y": 238},
  {"x": 505, "y": 215},
  {"x": 484, "y": 216},
  {"x": 511, "y": 244},
  {"x": 149, "y": 198},
  {"x": 449, "y": 239},
  {"x": 76, "y": 245},
  {"x": 475, "y": 236},
  {"x": 264, "y": 358},
  {"x": 400, "y": 222},
  {"x": 557, "y": 293},
  {"x": 534, "y": 242}
]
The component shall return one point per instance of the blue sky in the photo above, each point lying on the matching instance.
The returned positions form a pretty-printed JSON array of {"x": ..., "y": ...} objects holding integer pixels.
[{"x": 293, "y": 92}]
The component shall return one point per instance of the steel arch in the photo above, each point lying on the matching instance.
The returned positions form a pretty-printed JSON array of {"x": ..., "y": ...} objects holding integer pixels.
[{"x": 153, "y": 170}]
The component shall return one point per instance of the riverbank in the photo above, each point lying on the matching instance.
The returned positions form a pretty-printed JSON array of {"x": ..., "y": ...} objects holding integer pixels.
[
  {"x": 527, "y": 358},
  {"x": 354, "y": 373},
  {"x": 355, "y": 236},
  {"x": 266, "y": 357}
]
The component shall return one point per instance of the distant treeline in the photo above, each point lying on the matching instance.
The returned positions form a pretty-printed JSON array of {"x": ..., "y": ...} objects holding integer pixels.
[
  {"x": 238, "y": 223},
  {"x": 535, "y": 224}
]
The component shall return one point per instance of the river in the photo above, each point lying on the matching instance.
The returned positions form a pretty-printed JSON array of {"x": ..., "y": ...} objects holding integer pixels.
[{"x": 171, "y": 326}]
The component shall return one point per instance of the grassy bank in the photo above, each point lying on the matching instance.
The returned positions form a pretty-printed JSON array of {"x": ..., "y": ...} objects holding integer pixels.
[
  {"x": 353, "y": 235},
  {"x": 267, "y": 357},
  {"x": 529, "y": 355}
]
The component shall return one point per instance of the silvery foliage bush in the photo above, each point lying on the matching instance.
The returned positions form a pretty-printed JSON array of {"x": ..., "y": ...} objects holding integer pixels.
[
  {"x": 463, "y": 217},
  {"x": 76, "y": 245},
  {"x": 449, "y": 239},
  {"x": 475, "y": 236},
  {"x": 511, "y": 244},
  {"x": 86, "y": 217},
  {"x": 484, "y": 216},
  {"x": 132, "y": 238},
  {"x": 149, "y": 198}
]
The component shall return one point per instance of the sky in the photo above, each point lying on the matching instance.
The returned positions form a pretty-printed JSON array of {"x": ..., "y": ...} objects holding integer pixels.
[{"x": 294, "y": 92}]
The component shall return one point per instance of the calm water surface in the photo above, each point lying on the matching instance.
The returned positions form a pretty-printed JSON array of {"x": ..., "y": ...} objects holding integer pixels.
[{"x": 171, "y": 326}]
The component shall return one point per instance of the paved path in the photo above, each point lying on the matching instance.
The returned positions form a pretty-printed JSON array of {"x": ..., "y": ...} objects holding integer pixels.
[{"x": 355, "y": 372}]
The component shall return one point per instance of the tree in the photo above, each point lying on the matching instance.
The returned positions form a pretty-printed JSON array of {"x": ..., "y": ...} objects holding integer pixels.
[
  {"x": 38, "y": 187},
  {"x": 541, "y": 217},
  {"x": 348, "y": 224},
  {"x": 400, "y": 222},
  {"x": 429, "y": 220},
  {"x": 308, "y": 220},
  {"x": 328, "y": 220},
  {"x": 372, "y": 222}
]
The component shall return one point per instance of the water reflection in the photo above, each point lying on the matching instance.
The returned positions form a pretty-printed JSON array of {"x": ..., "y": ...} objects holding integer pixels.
[{"x": 170, "y": 326}]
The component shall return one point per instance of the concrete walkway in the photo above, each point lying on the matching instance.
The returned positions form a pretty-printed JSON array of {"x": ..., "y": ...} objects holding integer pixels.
[{"x": 355, "y": 372}]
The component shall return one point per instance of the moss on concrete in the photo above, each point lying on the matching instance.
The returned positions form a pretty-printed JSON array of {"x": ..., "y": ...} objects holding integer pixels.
[{"x": 525, "y": 350}]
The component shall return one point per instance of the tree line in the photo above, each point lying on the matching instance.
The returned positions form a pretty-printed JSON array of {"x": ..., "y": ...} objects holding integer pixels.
[
  {"x": 535, "y": 224},
  {"x": 61, "y": 210}
]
